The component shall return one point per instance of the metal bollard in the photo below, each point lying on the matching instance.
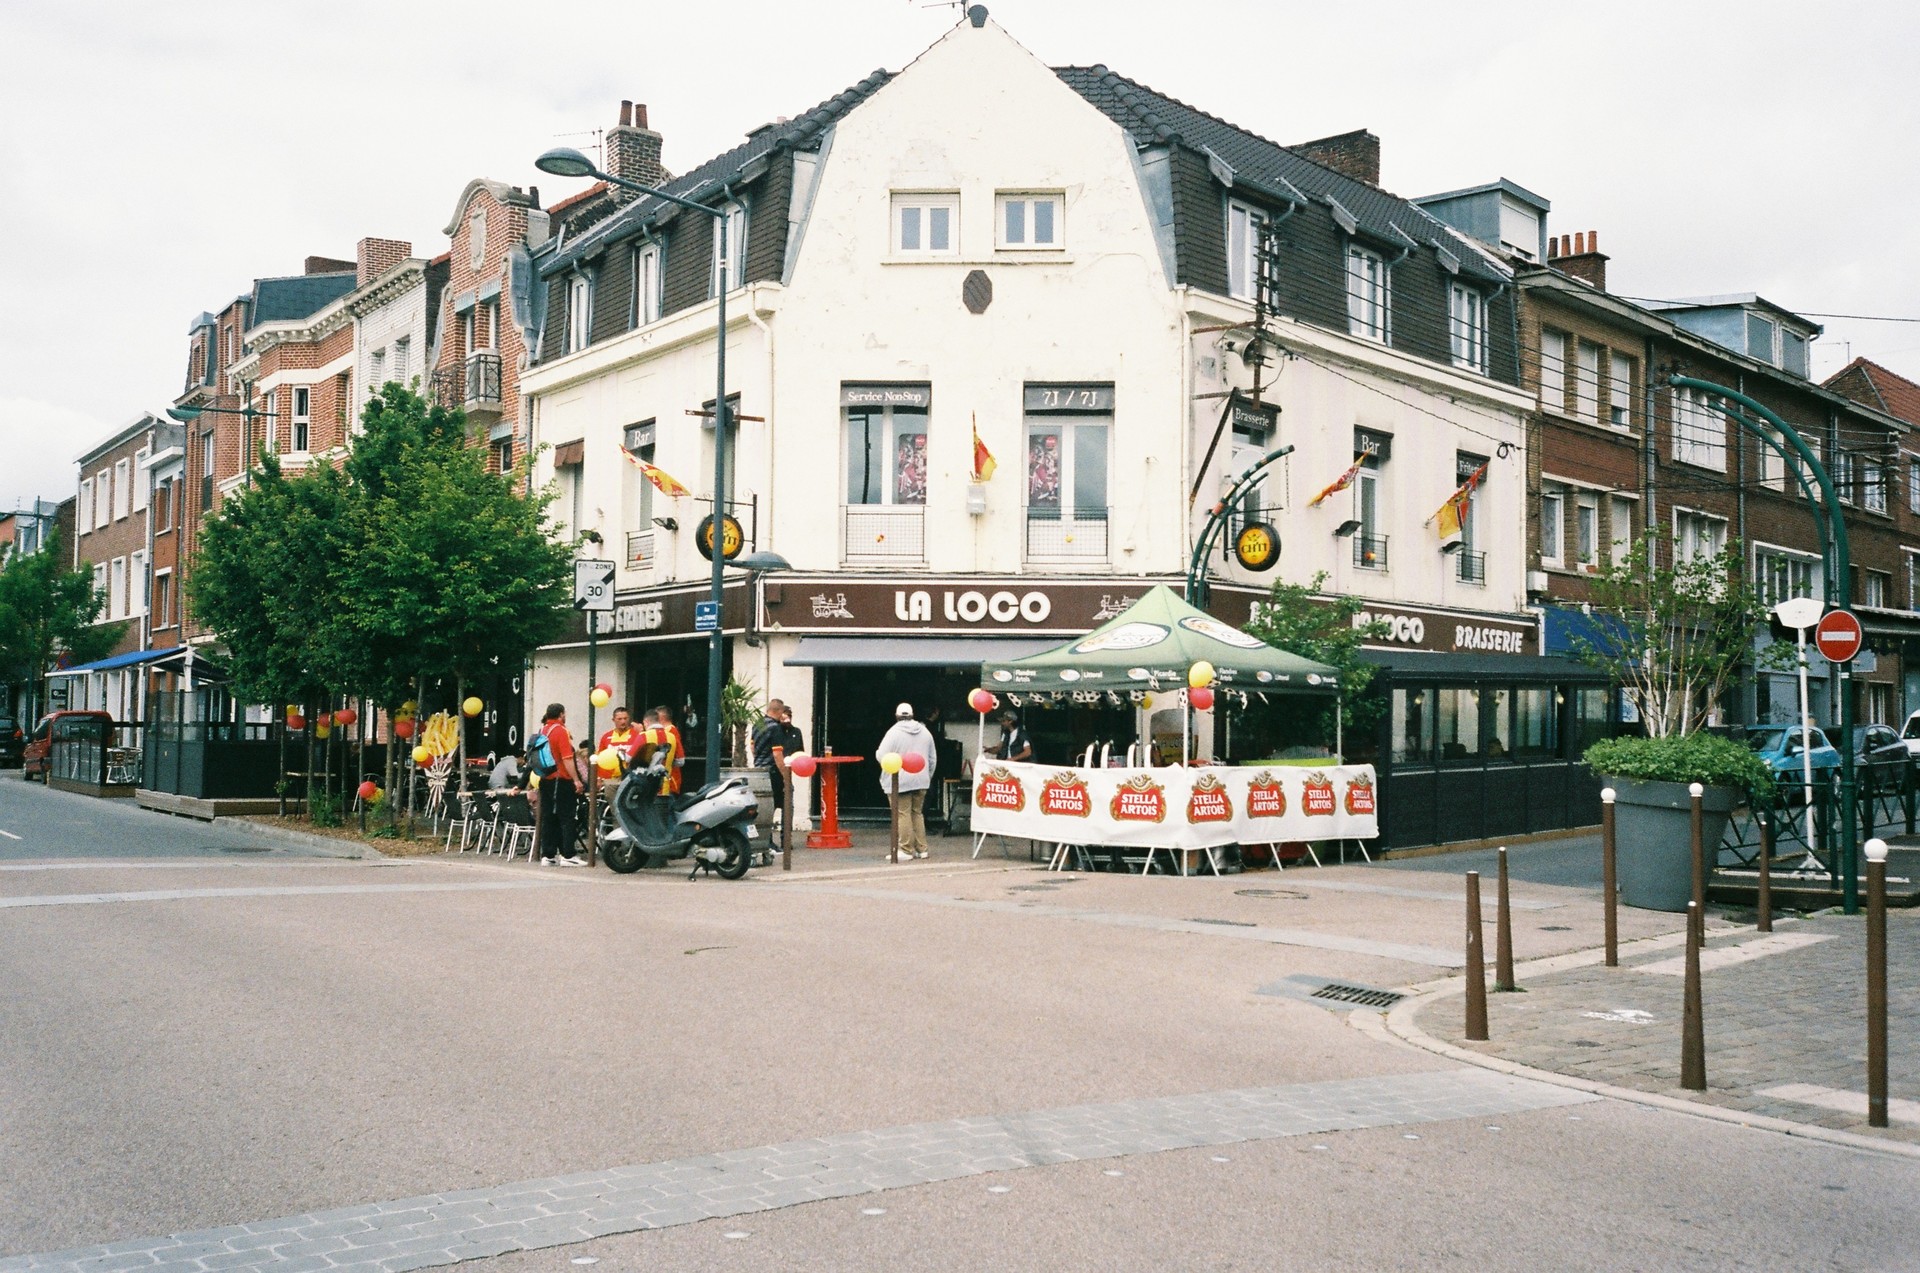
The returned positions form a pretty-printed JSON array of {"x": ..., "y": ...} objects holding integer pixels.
[
  {"x": 1503, "y": 933},
  {"x": 1876, "y": 983},
  {"x": 1476, "y": 965},
  {"x": 1693, "y": 1042},
  {"x": 1764, "y": 921},
  {"x": 1698, "y": 794},
  {"x": 1607, "y": 883}
]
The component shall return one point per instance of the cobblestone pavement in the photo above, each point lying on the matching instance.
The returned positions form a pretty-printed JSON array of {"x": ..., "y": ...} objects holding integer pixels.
[
  {"x": 439, "y": 1229},
  {"x": 1792, "y": 1019}
]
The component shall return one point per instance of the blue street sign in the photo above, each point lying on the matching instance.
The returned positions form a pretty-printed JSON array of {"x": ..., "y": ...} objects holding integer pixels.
[{"x": 706, "y": 616}]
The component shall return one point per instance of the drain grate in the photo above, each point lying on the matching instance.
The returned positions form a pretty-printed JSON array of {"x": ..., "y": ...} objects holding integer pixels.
[
  {"x": 1286, "y": 894},
  {"x": 244, "y": 848},
  {"x": 1230, "y": 923},
  {"x": 1358, "y": 996}
]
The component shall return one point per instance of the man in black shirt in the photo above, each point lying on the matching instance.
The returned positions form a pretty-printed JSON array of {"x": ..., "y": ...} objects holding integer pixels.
[{"x": 776, "y": 729}]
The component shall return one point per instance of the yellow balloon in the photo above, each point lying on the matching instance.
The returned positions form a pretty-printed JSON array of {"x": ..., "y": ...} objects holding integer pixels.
[
  {"x": 599, "y": 697},
  {"x": 890, "y": 763},
  {"x": 1200, "y": 675},
  {"x": 1146, "y": 702},
  {"x": 322, "y": 731},
  {"x": 421, "y": 756},
  {"x": 473, "y": 707}
]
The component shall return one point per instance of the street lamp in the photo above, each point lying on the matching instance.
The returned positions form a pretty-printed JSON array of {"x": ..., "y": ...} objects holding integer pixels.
[
  {"x": 564, "y": 161},
  {"x": 249, "y": 413}
]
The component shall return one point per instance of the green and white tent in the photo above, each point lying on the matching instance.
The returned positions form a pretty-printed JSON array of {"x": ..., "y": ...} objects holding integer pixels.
[{"x": 1150, "y": 646}]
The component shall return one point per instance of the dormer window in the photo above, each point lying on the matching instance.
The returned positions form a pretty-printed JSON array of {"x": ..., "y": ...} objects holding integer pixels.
[
  {"x": 579, "y": 312},
  {"x": 1368, "y": 287},
  {"x": 734, "y": 227},
  {"x": 646, "y": 285},
  {"x": 1467, "y": 322},
  {"x": 1243, "y": 250}
]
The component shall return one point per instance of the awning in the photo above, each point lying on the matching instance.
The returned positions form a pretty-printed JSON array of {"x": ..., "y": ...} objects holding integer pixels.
[
  {"x": 913, "y": 651},
  {"x": 121, "y": 660},
  {"x": 1451, "y": 666}
]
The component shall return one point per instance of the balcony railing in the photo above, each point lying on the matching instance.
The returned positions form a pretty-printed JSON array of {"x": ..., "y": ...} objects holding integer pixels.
[
  {"x": 1073, "y": 533},
  {"x": 1472, "y": 566},
  {"x": 882, "y": 532},
  {"x": 1370, "y": 552},
  {"x": 640, "y": 550},
  {"x": 472, "y": 386}
]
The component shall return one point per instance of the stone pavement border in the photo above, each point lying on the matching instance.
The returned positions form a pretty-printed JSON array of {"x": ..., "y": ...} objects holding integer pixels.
[
  {"x": 440, "y": 1229},
  {"x": 1401, "y": 1024}
]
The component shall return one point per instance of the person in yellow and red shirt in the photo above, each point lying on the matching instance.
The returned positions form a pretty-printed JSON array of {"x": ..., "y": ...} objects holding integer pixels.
[
  {"x": 622, "y": 737},
  {"x": 663, "y": 716},
  {"x": 662, "y": 745}
]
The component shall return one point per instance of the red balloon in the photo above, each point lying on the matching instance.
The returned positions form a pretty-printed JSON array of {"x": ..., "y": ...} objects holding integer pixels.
[
  {"x": 296, "y": 722},
  {"x": 802, "y": 765},
  {"x": 982, "y": 701},
  {"x": 1201, "y": 698},
  {"x": 403, "y": 728},
  {"x": 912, "y": 761},
  {"x": 324, "y": 720},
  {"x": 367, "y": 789},
  {"x": 345, "y": 716}
]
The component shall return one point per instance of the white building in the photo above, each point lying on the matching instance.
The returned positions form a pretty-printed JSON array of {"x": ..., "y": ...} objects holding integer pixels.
[{"x": 1064, "y": 262}]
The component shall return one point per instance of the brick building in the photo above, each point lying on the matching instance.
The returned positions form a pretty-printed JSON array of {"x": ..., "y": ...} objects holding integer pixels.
[{"x": 1614, "y": 450}]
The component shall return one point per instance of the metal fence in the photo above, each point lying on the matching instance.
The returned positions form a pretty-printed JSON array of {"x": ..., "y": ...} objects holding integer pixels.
[
  {"x": 94, "y": 752},
  {"x": 1889, "y": 808}
]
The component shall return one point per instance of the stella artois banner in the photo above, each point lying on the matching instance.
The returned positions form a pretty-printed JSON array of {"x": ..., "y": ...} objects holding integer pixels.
[{"x": 1175, "y": 808}]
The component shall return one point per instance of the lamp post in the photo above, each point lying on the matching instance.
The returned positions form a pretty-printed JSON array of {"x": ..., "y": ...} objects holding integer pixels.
[
  {"x": 187, "y": 415},
  {"x": 564, "y": 161}
]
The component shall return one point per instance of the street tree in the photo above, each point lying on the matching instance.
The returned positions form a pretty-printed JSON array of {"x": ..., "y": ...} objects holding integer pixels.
[
  {"x": 1300, "y": 619},
  {"x": 48, "y": 611}
]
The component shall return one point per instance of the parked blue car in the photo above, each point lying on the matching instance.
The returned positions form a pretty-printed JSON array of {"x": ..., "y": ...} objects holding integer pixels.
[{"x": 1779, "y": 746}]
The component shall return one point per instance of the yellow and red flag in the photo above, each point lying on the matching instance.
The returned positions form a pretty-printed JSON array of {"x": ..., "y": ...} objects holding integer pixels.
[
  {"x": 1452, "y": 515},
  {"x": 983, "y": 462},
  {"x": 661, "y": 479},
  {"x": 1345, "y": 480}
]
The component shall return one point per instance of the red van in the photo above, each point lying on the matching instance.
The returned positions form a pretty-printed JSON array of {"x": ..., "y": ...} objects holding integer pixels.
[{"x": 34, "y": 759}]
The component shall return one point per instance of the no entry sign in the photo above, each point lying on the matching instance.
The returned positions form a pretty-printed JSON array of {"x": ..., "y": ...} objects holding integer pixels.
[{"x": 1837, "y": 636}]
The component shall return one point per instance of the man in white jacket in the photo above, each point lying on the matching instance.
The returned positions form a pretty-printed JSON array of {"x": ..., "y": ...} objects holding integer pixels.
[{"x": 909, "y": 737}]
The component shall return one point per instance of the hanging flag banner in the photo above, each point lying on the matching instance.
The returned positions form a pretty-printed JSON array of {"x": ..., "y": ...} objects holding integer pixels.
[
  {"x": 1345, "y": 480},
  {"x": 1175, "y": 808},
  {"x": 983, "y": 462},
  {"x": 1452, "y": 515},
  {"x": 661, "y": 479}
]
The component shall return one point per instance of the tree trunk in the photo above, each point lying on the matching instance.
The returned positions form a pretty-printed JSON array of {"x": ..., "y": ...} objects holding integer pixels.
[{"x": 460, "y": 751}]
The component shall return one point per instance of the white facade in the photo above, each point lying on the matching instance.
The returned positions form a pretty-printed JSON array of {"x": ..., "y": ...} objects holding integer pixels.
[
  {"x": 974, "y": 121},
  {"x": 390, "y": 339}
]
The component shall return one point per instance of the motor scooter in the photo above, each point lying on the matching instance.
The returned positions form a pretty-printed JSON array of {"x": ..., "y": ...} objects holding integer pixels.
[{"x": 714, "y": 825}]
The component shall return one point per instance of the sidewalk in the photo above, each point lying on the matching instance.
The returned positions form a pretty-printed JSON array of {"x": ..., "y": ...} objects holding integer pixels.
[{"x": 1784, "y": 1014}]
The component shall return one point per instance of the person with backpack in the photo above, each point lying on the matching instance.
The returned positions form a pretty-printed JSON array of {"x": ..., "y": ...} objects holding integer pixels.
[{"x": 550, "y": 753}]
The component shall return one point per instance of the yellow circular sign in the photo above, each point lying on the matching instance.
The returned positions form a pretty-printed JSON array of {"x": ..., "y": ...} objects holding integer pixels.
[
  {"x": 1257, "y": 546},
  {"x": 732, "y": 537}
]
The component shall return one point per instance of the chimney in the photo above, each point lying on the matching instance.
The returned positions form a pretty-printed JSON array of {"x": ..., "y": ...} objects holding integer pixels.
[
  {"x": 633, "y": 150},
  {"x": 326, "y": 265},
  {"x": 1579, "y": 255},
  {"x": 374, "y": 257},
  {"x": 1355, "y": 154}
]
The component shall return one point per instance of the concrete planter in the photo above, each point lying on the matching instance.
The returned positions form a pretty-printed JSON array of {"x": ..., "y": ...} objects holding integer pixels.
[{"x": 1653, "y": 839}]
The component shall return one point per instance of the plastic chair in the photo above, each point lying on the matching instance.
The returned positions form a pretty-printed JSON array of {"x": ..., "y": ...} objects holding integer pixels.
[
  {"x": 465, "y": 820},
  {"x": 517, "y": 823}
]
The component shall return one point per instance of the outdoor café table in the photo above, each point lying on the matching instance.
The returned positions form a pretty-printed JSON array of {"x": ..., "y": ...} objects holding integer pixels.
[{"x": 830, "y": 836}]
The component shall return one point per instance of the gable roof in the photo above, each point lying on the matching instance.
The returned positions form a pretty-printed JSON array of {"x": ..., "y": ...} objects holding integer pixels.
[
  {"x": 743, "y": 163},
  {"x": 1891, "y": 392},
  {"x": 278, "y": 300},
  {"x": 1153, "y": 118}
]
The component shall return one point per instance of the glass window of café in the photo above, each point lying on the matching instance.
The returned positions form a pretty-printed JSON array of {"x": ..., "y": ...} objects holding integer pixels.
[
  {"x": 886, "y": 443},
  {"x": 1493, "y": 724},
  {"x": 1067, "y": 441}
]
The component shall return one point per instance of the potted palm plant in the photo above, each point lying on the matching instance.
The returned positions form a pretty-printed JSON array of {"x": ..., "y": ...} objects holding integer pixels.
[
  {"x": 1673, "y": 638},
  {"x": 739, "y": 709}
]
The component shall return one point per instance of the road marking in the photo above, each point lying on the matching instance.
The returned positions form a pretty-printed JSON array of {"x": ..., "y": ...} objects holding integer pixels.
[
  {"x": 1348, "y": 886},
  {"x": 10, "y": 835},
  {"x": 289, "y": 890},
  {"x": 530, "y": 1215},
  {"x": 1430, "y": 956},
  {"x": 1727, "y": 956},
  {"x": 1898, "y": 1111},
  {"x": 269, "y": 859}
]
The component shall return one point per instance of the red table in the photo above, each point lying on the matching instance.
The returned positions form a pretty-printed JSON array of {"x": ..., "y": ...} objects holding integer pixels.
[{"x": 830, "y": 836}]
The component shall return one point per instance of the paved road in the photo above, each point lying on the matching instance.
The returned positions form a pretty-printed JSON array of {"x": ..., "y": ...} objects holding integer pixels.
[
  {"x": 1569, "y": 863},
  {"x": 274, "y": 1060}
]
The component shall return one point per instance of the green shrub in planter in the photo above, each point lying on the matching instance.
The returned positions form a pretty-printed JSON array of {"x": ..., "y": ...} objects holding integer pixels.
[
  {"x": 1652, "y": 807},
  {"x": 1708, "y": 759}
]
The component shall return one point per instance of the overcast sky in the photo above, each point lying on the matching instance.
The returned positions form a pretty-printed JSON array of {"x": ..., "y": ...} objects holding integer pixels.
[{"x": 155, "y": 158}]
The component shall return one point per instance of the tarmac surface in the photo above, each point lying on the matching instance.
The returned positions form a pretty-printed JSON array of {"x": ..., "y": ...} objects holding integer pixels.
[{"x": 216, "y": 1042}]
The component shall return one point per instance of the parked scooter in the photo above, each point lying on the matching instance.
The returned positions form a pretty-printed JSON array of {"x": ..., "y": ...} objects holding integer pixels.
[{"x": 714, "y": 825}]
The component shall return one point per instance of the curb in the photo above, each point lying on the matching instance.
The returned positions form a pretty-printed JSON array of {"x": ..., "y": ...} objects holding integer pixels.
[
  {"x": 324, "y": 844},
  {"x": 1399, "y": 1022}
]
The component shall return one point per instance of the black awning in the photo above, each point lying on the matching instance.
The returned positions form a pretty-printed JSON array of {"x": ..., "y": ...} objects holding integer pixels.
[{"x": 1432, "y": 665}]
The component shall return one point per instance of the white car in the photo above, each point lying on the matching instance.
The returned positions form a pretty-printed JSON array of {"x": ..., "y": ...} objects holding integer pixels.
[{"x": 1910, "y": 735}]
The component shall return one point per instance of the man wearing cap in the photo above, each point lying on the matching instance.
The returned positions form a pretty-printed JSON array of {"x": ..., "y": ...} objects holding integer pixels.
[
  {"x": 907, "y": 737},
  {"x": 1014, "y": 743}
]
